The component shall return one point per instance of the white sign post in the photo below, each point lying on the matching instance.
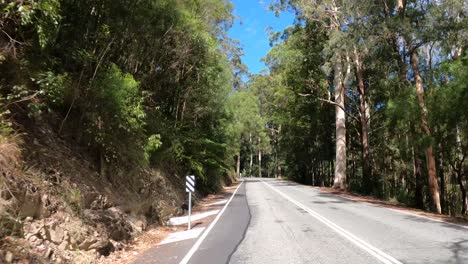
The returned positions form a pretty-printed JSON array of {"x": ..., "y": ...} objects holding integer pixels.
[{"x": 189, "y": 187}]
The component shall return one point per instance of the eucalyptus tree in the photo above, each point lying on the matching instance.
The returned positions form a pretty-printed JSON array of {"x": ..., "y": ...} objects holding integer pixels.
[{"x": 243, "y": 106}]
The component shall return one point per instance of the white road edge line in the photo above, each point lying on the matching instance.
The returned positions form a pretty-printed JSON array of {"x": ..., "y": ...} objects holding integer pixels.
[
  {"x": 377, "y": 253},
  {"x": 197, "y": 244}
]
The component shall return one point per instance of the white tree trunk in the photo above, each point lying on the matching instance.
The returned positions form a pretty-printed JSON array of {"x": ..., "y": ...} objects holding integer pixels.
[
  {"x": 251, "y": 155},
  {"x": 340, "y": 121},
  {"x": 259, "y": 158}
]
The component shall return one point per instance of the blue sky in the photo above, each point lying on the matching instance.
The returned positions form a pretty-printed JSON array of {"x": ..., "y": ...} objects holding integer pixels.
[{"x": 251, "y": 29}]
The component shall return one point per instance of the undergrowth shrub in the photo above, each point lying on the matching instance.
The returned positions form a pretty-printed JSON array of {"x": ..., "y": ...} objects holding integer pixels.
[{"x": 115, "y": 118}]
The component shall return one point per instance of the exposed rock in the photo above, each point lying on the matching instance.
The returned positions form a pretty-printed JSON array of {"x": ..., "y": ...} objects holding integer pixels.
[
  {"x": 138, "y": 223},
  {"x": 9, "y": 257},
  {"x": 54, "y": 232},
  {"x": 49, "y": 228},
  {"x": 34, "y": 240},
  {"x": 34, "y": 229},
  {"x": 99, "y": 244},
  {"x": 5, "y": 195},
  {"x": 31, "y": 205},
  {"x": 46, "y": 206},
  {"x": 113, "y": 221},
  {"x": 64, "y": 245},
  {"x": 56, "y": 235},
  {"x": 106, "y": 249},
  {"x": 86, "y": 244},
  {"x": 95, "y": 201},
  {"x": 117, "y": 245},
  {"x": 48, "y": 253}
]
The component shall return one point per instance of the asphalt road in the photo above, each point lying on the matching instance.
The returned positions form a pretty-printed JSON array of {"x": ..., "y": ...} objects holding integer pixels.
[{"x": 271, "y": 221}]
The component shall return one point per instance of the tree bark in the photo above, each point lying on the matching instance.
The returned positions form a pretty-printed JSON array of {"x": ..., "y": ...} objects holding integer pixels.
[
  {"x": 251, "y": 155},
  {"x": 340, "y": 121},
  {"x": 430, "y": 159},
  {"x": 238, "y": 164},
  {"x": 259, "y": 158},
  {"x": 418, "y": 181},
  {"x": 401, "y": 5},
  {"x": 463, "y": 191},
  {"x": 365, "y": 151},
  {"x": 460, "y": 172},
  {"x": 440, "y": 172}
]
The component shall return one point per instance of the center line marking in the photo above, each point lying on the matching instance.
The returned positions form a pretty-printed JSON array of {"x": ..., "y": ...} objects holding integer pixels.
[{"x": 377, "y": 253}]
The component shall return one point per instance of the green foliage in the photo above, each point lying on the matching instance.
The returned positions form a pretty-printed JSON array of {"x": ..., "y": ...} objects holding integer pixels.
[
  {"x": 379, "y": 43},
  {"x": 5, "y": 124},
  {"x": 115, "y": 116},
  {"x": 42, "y": 15},
  {"x": 153, "y": 144},
  {"x": 53, "y": 86}
]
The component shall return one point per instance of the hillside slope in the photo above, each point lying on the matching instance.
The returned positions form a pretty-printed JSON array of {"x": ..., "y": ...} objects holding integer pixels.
[{"x": 56, "y": 207}]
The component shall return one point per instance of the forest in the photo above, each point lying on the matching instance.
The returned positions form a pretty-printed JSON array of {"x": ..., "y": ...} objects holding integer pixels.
[
  {"x": 136, "y": 83},
  {"x": 363, "y": 96},
  {"x": 105, "y": 106},
  {"x": 368, "y": 96}
]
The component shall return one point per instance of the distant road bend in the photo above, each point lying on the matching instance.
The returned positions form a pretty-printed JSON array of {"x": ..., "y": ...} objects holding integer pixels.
[{"x": 271, "y": 221}]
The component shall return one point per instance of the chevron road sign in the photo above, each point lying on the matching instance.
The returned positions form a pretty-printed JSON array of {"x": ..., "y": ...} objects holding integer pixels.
[{"x": 190, "y": 183}]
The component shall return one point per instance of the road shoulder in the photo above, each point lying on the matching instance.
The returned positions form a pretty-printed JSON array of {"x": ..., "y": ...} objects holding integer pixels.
[{"x": 146, "y": 247}]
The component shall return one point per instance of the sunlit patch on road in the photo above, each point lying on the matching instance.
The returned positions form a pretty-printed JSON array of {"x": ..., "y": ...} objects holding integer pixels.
[
  {"x": 183, "y": 235},
  {"x": 181, "y": 220}
]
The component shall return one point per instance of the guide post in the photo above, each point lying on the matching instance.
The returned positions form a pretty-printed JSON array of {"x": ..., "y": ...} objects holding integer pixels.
[{"x": 189, "y": 187}]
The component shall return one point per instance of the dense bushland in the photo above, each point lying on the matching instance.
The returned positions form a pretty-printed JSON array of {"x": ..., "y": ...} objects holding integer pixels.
[
  {"x": 138, "y": 83},
  {"x": 371, "y": 97}
]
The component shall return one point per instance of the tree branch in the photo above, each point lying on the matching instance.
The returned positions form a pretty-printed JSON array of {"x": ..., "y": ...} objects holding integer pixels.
[
  {"x": 21, "y": 100},
  {"x": 332, "y": 103},
  {"x": 12, "y": 39}
]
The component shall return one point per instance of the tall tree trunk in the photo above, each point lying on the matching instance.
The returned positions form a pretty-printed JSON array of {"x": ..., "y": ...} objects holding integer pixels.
[
  {"x": 251, "y": 155},
  {"x": 276, "y": 164},
  {"x": 430, "y": 159},
  {"x": 440, "y": 172},
  {"x": 463, "y": 191},
  {"x": 238, "y": 164},
  {"x": 418, "y": 196},
  {"x": 259, "y": 158},
  {"x": 401, "y": 5},
  {"x": 363, "y": 111},
  {"x": 340, "y": 121},
  {"x": 460, "y": 172}
]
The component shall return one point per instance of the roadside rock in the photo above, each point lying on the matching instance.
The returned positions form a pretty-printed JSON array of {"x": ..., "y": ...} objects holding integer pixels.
[
  {"x": 138, "y": 223},
  {"x": 113, "y": 221},
  {"x": 96, "y": 201},
  {"x": 31, "y": 204},
  {"x": 55, "y": 233},
  {"x": 9, "y": 257}
]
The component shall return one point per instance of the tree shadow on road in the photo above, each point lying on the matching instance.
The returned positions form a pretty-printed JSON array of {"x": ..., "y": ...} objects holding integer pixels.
[
  {"x": 333, "y": 199},
  {"x": 460, "y": 228},
  {"x": 460, "y": 251}
]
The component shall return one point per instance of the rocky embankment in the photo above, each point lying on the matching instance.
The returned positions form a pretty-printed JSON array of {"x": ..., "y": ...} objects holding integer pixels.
[{"x": 56, "y": 208}]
